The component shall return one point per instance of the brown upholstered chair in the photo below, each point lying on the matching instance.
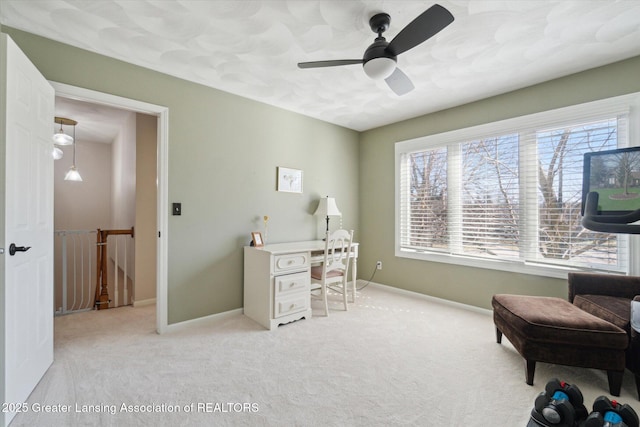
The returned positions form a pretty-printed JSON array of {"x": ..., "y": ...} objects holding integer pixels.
[{"x": 609, "y": 297}]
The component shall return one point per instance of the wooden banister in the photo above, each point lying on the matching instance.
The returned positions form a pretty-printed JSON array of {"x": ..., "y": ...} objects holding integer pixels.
[{"x": 102, "y": 291}]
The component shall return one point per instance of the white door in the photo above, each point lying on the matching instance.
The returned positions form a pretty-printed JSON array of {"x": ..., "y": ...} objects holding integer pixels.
[{"x": 27, "y": 208}]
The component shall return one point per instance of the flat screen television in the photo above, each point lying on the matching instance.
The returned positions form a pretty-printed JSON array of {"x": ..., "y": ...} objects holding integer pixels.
[{"x": 615, "y": 176}]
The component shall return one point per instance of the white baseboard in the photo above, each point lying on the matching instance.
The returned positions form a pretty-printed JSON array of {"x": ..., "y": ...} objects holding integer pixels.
[
  {"x": 144, "y": 302},
  {"x": 203, "y": 320},
  {"x": 224, "y": 315},
  {"x": 428, "y": 297}
]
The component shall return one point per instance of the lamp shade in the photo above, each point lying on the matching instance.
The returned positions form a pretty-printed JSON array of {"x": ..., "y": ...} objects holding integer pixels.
[
  {"x": 62, "y": 138},
  {"x": 57, "y": 153},
  {"x": 328, "y": 207},
  {"x": 73, "y": 175}
]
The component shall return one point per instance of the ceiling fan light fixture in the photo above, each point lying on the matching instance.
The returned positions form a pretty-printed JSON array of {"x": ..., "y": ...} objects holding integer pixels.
[{"x": 379, "y": 68}]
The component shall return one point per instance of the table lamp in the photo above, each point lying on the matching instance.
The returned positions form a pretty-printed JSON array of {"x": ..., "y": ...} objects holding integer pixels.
[{"x": 327, "y": 207}]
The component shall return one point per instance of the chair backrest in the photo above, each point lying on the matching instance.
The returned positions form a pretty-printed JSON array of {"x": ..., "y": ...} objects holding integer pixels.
[{"x": 337, "y": 251}]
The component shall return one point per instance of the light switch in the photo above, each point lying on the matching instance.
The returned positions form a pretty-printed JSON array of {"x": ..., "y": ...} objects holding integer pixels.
[{"x": 177, "y": 208}]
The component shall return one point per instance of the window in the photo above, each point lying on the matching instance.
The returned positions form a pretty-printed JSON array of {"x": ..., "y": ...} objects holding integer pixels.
[{"x": 508, "y": 195}]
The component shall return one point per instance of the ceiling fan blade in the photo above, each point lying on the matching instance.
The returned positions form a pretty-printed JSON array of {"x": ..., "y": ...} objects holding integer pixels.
[
  {"x": 425, "y": 26},
  {"x": 399, "y": 82},
  {"x": 334, "y": 63}
]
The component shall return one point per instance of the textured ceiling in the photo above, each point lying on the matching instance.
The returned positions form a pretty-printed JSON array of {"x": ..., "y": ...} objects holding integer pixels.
[{"x": 251, "y": 48}]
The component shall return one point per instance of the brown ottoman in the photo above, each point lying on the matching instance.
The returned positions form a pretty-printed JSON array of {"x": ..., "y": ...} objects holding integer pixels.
[{"x": 552, "y": 330}]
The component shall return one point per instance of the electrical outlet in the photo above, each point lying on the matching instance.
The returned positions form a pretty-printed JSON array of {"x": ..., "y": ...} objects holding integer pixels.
[{"x": 379, "y": 265}]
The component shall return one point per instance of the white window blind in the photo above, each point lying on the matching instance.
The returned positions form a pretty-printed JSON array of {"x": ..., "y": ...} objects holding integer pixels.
[
  {"x": 490, "y": 197},
  {"x": 510, "y": 194},
  {"x": 425, "y": 204},
  {"x": 561, "y": 238}
]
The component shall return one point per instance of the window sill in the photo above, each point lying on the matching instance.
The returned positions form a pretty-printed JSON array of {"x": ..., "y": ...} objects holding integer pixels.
[{"x": 558, "y": 272}]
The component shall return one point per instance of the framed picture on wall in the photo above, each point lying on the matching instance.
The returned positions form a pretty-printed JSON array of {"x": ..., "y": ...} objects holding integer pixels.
[
  {"x": 256, "y": 239},
  {"x": 289, "y": 180}
]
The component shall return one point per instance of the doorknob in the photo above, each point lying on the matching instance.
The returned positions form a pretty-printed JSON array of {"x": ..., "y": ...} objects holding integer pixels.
[{"x": 13, "y": 249}]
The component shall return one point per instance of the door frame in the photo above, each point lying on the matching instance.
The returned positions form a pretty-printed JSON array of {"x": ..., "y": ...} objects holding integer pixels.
[{"x": 162, "y": 113}]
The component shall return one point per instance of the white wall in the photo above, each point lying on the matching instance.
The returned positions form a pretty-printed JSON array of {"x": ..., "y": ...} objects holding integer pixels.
[
  {"x": 83, "y": 205},
  {"x": 123, "y": 190}
]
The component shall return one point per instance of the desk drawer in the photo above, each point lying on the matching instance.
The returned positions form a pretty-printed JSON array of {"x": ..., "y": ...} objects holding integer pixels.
[
  {"x": 290, "y": 262},
  {"x": 291, "y": 283},
  {"x": 292, "y": 304}
]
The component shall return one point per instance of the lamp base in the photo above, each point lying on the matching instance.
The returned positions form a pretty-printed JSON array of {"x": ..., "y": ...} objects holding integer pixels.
[{"x": 326, "y": 232}]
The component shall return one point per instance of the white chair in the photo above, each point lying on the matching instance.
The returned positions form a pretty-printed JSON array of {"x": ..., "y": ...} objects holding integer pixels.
[{"x": 334, "y": 269}]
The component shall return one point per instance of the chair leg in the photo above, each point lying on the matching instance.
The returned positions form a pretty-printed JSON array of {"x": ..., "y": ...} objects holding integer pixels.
[
  {"x": 345, "y": 294},
  {"x": 638, "y": 384},
  {"x": 530, "y": 370},
  {"x": 498, "y": 336},
  {"x": 326, "y": 302},
  {"x": 353, "y": 291},
  {"x": 615, "y": 382}
]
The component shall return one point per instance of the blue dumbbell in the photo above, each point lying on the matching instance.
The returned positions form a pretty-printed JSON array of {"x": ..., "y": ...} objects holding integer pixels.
[
  {"x": 560, "y": 405},
  {"x": 610, "y": 413}
]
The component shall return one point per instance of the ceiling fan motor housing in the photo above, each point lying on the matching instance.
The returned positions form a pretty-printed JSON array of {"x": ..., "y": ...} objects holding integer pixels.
[{"x": 378, "y": 62}]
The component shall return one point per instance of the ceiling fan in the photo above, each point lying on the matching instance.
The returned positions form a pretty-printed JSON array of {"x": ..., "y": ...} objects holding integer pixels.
[{"x": 379, "y": 60}]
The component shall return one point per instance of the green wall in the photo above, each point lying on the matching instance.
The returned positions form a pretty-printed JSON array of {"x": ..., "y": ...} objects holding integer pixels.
[
  {"x": 464, "y": 284},
  {"x": 223, "y": 154}
]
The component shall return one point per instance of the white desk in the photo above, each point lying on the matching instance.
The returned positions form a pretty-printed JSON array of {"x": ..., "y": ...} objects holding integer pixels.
[{"x": 277, "y": 280}]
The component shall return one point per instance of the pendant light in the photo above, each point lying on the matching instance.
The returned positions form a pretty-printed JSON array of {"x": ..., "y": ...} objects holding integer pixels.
[
  {"x": 56, "y": 153},
  {"x": 61, "y": 138},
  {"x": 72, "y": 173}
]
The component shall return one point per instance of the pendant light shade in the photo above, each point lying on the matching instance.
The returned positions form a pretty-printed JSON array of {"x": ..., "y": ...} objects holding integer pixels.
[
  {"x": 57, "y": 153},
  {"x": 61, "y": 138},
  {"x": 73, "y": 174}
]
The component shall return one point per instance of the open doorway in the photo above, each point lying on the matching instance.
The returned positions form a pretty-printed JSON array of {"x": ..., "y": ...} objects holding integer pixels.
[
  {"x": 114, "y": 154},
  {"x": 150, "y": 178}
]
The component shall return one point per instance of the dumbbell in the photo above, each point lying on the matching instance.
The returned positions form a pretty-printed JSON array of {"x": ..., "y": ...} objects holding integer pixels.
[
  {"x": 561, "y": 405},
  {"x": 610, "y": 413}
]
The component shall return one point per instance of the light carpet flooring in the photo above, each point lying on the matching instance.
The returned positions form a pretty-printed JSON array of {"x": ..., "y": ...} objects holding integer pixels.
[{"x": 393, "y": 359}]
